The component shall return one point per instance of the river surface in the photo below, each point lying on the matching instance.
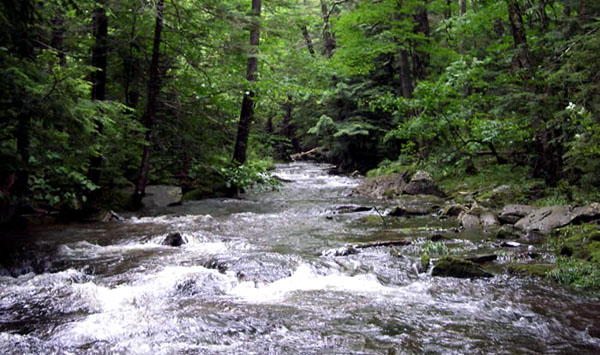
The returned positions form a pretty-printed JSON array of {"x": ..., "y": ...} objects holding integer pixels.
[{"x": 255, "y": 278}]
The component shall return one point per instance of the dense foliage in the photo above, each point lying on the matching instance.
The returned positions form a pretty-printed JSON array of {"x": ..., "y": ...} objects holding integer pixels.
[{"x": 457, "y": 85}]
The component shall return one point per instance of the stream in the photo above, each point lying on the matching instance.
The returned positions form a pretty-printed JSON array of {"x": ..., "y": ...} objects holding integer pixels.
[{"x": 255, "y": 278}]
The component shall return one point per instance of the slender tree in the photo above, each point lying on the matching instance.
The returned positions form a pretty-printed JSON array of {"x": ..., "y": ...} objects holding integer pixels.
[
  {"x": 154, "y": 86},
  {"x": 328, "y": 36},
  {"x": 247, "y": 113},
  {"x": 99, "y": 61}
]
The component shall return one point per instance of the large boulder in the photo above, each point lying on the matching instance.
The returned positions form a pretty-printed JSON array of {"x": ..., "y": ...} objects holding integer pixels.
[
  {"x": 382, "y": 186},
  {"x": 422, "y": 184},
  {"x": 548, "y": 218},
  {"x": 477, "y": 217},
  {"x": 453, "y": 267},
  {"x": 511, "y": 214},
  {"x": 162, "y": 195}
]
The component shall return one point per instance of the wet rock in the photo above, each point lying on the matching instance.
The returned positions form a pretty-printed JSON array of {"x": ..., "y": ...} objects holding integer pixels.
[
  {"x": 382, "y": 186},
  {"x": 352, "y": 208},
  {"x": 507, "y": 232},
  {"x": 482, "y": 259},
  {"x": 342, "y": 251},
  {"x": 534, "y": 236},
  {"x": 452, "y": 210},
  {"x": 539, "y": 270},
  {"x": 384, "y": 243},
  {"x": 548, "y": 218},
  {"x": 510, "y": 244},
  {"x": 161, "y": 195},
  {"x": 174, "y": 240},
  {"x": 511, "y": 214},
  {"x": 419, "y": 205},
  {"x": 110, "y": 216},
  {"x": 477, "y": 217},
  {"x": 439, "y": 238},
  {"x": 422, "y": 184},
  {"x": 453, "y": 267}
]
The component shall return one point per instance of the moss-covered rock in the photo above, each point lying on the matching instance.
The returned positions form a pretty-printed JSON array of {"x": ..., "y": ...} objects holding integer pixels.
[
  {"x": 198, "y": 194},
  {"x": 454, "y": 267},
  {"x": 424, "y": 265},
  {"x": 538, "y": 270},
  {"x": 372, "y": 220}
]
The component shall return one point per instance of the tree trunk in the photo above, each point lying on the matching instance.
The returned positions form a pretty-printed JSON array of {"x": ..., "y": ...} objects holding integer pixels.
[
  {"x": 247, "y": 113},
  {"x": 542, "y": 12},
  {"x": 23, "y": 149},
  {"x": 154, "y": 85},
  {"x": 448, "y": 12},
  {"x": 58, "y": 32},
  {"x": 421, "y": 58},
  {"x": 462, "y": 7},
  {"x": 405, "y": 77},
  {"x": 328, "y": 36},
  {"x": 549, "y": 163},
  {"x": 99, "y": 60},
  {"x": 308, "y": 40}
]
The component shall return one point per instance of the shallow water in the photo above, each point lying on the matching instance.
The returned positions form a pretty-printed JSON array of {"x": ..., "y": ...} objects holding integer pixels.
[{"x": 253, "y": 279}]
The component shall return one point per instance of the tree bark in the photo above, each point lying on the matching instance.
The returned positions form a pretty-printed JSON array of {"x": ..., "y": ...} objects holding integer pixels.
[
  {"x": 462, "y": 7},
  {"x": 405, "y": 77},
  {"x": 307, "y": 40},
  {"x": 421, "y": 58},
  {"x": 154, "y": 86},
  {"x": 247, "y": 113},
  {"x": 549, "y": 162},
  {"x": 99, "y": 62},
  {"x": 328, "y": 36},
  {"x": 542, "y": 12}
]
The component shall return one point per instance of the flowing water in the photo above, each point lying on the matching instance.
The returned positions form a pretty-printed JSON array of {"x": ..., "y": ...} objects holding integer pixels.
[{"x": 255, "y": 278}]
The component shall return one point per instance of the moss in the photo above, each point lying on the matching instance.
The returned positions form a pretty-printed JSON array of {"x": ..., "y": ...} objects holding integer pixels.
[
  {"x": 198, "y": 194},
  {"x": 425, "y": 259},
  {"x": 539, "y": 270},
  {"x": 372, "y": 219},
  {"x": 593, "y": 249},
  {"x": 453, "y": 267}
]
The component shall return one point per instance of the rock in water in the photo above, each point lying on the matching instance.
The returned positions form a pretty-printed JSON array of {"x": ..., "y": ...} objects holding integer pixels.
[
  {"x": 510, "y": 214},
  {"x": 453, "y": 267},
  {"x": 174, "y": 240}
]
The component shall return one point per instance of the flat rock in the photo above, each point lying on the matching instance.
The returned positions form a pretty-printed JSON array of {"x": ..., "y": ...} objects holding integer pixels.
[
  {"x": 416, "y": 205},
  {"x": 482, "y": 259},
  {"x": 510, "y": 214},
  {"x": 477, "y": 217},
  {"x": 352, "y": 208},
  {"x": 548, "y": 218}
]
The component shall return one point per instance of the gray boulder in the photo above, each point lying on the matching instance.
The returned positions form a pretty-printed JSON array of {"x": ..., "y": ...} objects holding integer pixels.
[
  {"x": 382, "y": 186},
  {"x": 416, "y": 205},
  {"x": 478, "y": 217},
  {"x": 162, "y": 195},
  {"x": 422, "y": 184},
  {"x": 548, "y": 218},
  {"x": 511, "y": 214}
]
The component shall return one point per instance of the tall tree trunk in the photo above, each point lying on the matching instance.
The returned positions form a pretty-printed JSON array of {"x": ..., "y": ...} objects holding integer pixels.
[
  {"x": 247, "y": 113},
  {"x": 130, "y": 70},
  {"x": 462, "y": 7},
  {"x": 549, "y": 162},
  {"x": 307, "y": 40},
  {"x": 99, "y": 60},
  {"x": 58, "y": 32},
  {"x": 542, "y": 12},
  {"x": 420, "y": 57},
  {"x": 154, "y": 86},
  {"x": 23, "y": 149},
  {"x": 328, "y": 36},
  {"x": 405, "y": 77}
]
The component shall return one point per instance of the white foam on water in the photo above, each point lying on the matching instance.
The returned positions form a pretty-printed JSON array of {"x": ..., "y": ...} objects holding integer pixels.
[
  {"x": 171, "y": 220},
  {"x": 306, "y": 279},
  {"x": 128, "y": 314}
]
